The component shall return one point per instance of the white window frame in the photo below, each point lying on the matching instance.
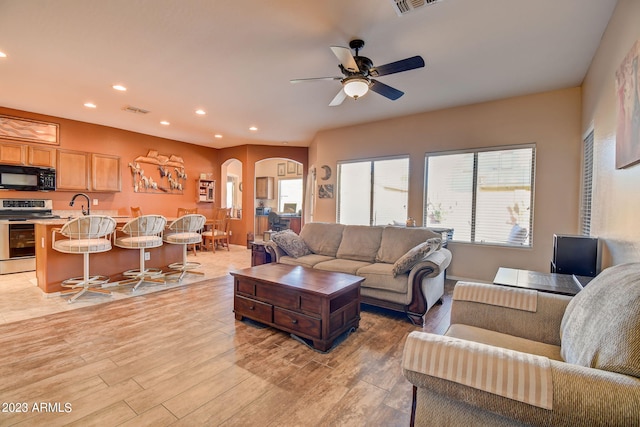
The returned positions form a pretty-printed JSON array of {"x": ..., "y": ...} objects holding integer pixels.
[
  {"x": 586, "y": 193},
  {"x": 372, "y": 161},
  {"x": 474, "y": 190}
]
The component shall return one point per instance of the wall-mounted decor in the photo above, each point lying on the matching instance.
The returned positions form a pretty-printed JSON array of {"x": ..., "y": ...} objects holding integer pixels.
[
  {"x": 28, "y": 130},
  {"x": 628, "y": 128},
  {"x": 327, "y": 172},
  {"x": 291, "y": 167},
  {"x": 157, "y": 173},
  {"x": 281, "y": 169},
  {"x": 299, "y": 171},
  {"x": 325, "y": 191}
]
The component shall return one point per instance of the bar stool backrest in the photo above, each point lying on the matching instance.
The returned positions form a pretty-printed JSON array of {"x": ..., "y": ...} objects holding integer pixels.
[
  {"x": 145, "y": 225},
  {"x": 89, "y": 227},
  {"x": 188, "y": 223}
]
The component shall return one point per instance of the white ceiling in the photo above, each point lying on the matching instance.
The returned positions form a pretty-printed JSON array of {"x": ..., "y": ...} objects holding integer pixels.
[{"x": 234, "y": 59}]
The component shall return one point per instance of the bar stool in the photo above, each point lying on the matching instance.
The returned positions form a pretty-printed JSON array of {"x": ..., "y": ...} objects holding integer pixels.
[
  {"x": 185, "y": 231},
  {"x": 143, "y": 232},
  {"x": 84, "y": 235}
]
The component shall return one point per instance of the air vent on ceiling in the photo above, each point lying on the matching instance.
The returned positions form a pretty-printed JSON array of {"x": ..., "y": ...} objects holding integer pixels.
[
  {"x": 136, "y": 110},
  {"x": 403, "y": 7}
]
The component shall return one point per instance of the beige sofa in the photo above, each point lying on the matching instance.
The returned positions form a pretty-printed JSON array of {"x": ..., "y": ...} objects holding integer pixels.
[
  {"x": 380, "y": 254},
  {"x": 521, "y": 357}
]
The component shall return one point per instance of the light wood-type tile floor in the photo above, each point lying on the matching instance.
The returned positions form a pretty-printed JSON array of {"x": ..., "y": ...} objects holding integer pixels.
[{"x": 179, "y": 357}]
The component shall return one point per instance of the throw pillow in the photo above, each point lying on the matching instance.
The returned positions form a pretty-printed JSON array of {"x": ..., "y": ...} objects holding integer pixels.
[
  {"x": 601, "y": 325},
  {"x": 415, "y": 254},
  {"x": 291, "y": 243}
]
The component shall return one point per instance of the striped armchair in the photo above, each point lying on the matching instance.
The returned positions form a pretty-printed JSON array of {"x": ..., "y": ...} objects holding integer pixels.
[{"x": 520, "y": 357}]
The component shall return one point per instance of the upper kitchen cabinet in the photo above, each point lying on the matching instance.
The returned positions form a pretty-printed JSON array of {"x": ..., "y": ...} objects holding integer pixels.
[
  {"x": 105, "y": 173},
  {"x": 23, "y": 155},
  {"x": 11, "y": 154},
  {"x": 72, "y": 171},
  {"x": 80, "y": 171},
  {"x": 264, "y": 187},
  {"x": 41, "y": 156}
]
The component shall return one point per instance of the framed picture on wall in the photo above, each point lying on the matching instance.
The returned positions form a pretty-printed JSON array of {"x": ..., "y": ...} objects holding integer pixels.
[
  {"x": 299, "y": 171},
  {"x": 628, "y": 126},
  {"x": 291, "y": 167},
  {"x": 281, "y": 169}
]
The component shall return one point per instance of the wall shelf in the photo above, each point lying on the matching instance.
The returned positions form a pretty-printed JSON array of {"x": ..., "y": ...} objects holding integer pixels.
[{"x": 206, "y": 189}]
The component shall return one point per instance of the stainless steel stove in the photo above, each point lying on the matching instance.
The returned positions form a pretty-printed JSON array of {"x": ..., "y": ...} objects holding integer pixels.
[{"x": 17, "y": 233}]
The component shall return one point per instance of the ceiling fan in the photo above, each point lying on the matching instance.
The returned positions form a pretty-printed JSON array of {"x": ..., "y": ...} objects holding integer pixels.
[{"x": 358, "y": 72}]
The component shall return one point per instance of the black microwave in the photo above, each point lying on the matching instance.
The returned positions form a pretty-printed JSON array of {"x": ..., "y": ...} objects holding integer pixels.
[{"x": 27, "y": 178}]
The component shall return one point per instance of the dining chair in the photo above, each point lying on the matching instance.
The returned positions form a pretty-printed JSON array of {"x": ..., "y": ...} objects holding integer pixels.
[
  {"x": 136, "y": 211},
  {"x": 220, "y": 230}
]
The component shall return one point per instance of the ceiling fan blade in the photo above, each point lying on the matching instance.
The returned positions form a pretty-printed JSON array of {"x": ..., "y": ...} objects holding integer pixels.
[
  {"x": 397, "y": 67},
  {"x": 345, "y": 57},
  {"x": 313, "y": 79},
  {"x": 385, "y": 90},
  {"x": 338, "y": 98}
]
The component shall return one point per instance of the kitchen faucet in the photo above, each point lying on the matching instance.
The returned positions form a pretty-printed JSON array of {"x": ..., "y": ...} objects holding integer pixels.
[{"x": 73, "y": 199}]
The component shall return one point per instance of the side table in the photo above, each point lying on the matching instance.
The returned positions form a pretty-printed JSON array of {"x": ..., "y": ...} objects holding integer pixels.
[
  {"x": 259, "y": 254},
  {"x": 565, "y": 284}
]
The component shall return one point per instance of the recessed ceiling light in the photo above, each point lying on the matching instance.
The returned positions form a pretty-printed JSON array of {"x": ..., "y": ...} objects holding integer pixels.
[
  {"x": 217, "y": 135},
  {"x": 3, "y": 55},
  {"x": 165, "y": 123},
  {"x": 253, "y": 128},
  {"x": 120, "y": 88},
  {"x": 90, "y": 105},
  {"x": 201, "y": 112}
]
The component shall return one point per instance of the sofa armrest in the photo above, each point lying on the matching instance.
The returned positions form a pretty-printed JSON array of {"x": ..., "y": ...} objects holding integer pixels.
[
  {"x": 274, "y": 250},
  {"x": 435, "y": 261},
  {"x": 580, "y": 395},
  {"x": 542, "y": 325}
]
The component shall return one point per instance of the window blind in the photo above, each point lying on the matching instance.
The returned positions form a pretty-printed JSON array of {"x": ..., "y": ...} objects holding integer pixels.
[{"x": 587, "y": 185}]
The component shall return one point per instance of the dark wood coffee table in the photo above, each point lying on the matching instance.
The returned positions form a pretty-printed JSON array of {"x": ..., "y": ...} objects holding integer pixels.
[
  {"x": 313, "y": 304},
  {"x": 565, "y": 284}
]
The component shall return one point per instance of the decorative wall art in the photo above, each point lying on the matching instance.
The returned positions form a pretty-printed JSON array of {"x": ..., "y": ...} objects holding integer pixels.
[
  {"x": 299, "y": 169},
  {"x": 325, "y": 191},
  {"x": 28, "y": 130},
  {"x": 157, "y": 173},
  {"x": 291, "y": 167},
  {"x": 628, "y": 127},
  {"x": 281, "y": 169}
]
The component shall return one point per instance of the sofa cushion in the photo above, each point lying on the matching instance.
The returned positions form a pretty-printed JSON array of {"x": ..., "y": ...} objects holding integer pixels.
[
  {"x": 397, "y": 241},
  {"x": 305, "y": 261},
  {"x": 322, "y": 238},
  {"x": 360, "y": 243},
  {"x": 415, "y": 254},
  {"x": 379, "y": 276},
  {"x": 601, "y": 325},
  {"x": 341, "y": 265},
  {"x": 291, "y": 243}
]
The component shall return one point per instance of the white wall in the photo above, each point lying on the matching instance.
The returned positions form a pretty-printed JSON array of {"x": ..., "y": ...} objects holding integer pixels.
[
  {"x": 616, "y": 204},
  {"x": 551, "y": 120}
]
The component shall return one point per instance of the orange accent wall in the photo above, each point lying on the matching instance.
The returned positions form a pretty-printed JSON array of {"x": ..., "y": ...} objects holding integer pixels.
[{"x": 81, "y": 136}]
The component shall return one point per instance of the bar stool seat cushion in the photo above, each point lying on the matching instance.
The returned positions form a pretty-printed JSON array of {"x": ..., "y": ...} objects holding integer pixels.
[
  {"x": 183, "y": 238},
  {"x": 137, "y": 242},
  {"x": 80, "y": 246}
]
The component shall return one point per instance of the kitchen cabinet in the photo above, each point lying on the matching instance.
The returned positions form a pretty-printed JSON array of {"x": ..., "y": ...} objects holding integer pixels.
[
  {"x": 81, "y": 171},
  {"x": 72, "y": 171},
  {"x": 105, "y": 173},
  {"x": 206, "y": 189},
  {"x": 41, "y": 156},
  {"x": 264, "y": 187},
  {"x": 262, "y": 224},
  {"x": 11, "y": 154},
  {"x": 27, "y": 155}
]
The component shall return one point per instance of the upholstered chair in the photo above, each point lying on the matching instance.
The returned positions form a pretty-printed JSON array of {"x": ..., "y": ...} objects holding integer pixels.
[
  {"x": 142, "y": 233},
  {"x": 185, "y": 231},
  {"x": 521, "y": 357},
  {"x": 84, "y": 235}
]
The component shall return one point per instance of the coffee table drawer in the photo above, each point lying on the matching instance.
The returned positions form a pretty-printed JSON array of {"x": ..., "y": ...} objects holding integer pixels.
[
  {"x": 255, "y": 310},
  {"x": 298, "y": 322}
]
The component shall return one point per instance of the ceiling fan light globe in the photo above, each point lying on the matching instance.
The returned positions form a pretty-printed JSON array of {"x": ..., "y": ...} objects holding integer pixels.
[{"x": 355, "y": 88}]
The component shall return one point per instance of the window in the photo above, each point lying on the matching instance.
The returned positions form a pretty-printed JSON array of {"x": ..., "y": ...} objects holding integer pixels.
[
  {"x": 486, "y": 195},
  {"x": 373, "y": 192},
  {"x": 587, "y": 185},
  {"x": 289, "y": 195}
]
